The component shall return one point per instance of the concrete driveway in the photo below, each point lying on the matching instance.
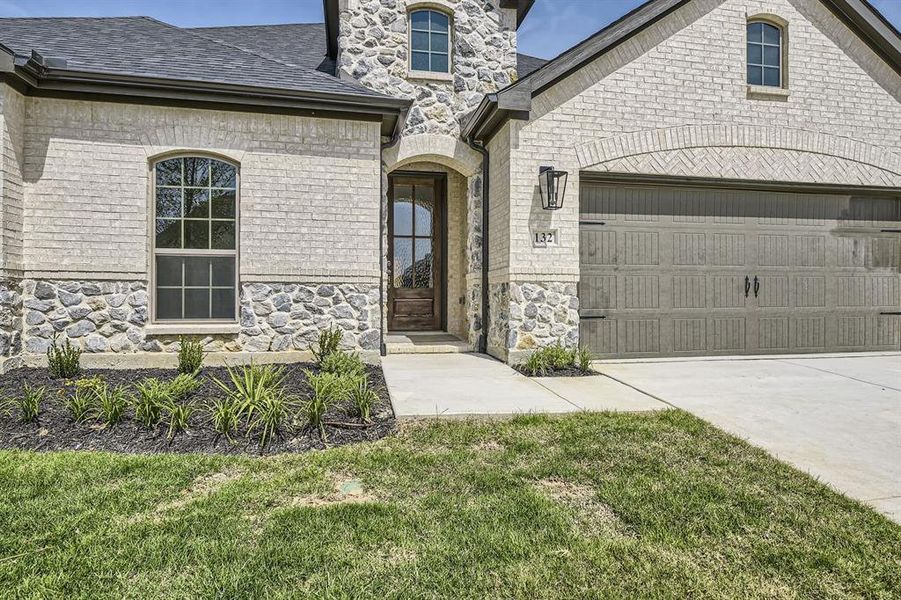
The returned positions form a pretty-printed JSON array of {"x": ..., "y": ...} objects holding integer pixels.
[{"x": 837, "y": 417}]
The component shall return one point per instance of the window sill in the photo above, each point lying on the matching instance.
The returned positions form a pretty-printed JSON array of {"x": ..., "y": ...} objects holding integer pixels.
[
  {"x": 192, "y": 328},
  {"x": 411, "y": 74},
  {"x": 766, "y": 91}
]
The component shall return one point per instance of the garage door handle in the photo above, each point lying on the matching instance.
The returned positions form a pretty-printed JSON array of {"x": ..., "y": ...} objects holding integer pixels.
[
  {"x": 747, "y": 285},
  {"x": 756, "y": 286},
  {"x": 891, "y": 313}
]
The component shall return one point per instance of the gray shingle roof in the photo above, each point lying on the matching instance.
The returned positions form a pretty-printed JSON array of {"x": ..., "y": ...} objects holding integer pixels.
[
  {"x": 290, "y": 56},
  {"x": 301, "y": 44},
  {"x": 526, "y": 64},
  {"x": 141, "y": 46}
]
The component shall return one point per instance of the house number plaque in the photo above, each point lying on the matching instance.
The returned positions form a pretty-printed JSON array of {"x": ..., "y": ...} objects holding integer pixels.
[{"x": 544, "y": 238}]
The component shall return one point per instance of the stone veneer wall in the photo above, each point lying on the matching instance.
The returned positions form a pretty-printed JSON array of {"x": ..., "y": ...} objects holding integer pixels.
[
  {"x": 526, "y": 316},
  {"x": 543, "y": 314},
  {"x": 111, "y": 316},
  {"x": 280, "y": 317},
  {"x": 373, "y": 49},
  {"x": 10, "y": 319}
]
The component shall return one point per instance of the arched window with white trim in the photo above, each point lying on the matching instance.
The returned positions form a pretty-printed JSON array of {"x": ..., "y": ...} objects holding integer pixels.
[{"x": 195, "y": 241}]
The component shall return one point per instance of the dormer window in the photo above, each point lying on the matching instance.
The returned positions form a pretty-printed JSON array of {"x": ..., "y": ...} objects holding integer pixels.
[
  {"x": 765, "y": 58},
  {"x": 429, "y": 41}
]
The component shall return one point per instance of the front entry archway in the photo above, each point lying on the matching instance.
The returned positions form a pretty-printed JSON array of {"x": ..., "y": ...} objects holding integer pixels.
[{"x": 417, "y": 243}]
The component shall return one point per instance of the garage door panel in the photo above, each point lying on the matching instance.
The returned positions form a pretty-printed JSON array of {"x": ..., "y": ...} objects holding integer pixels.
[
  {"x": 810, "y": 251},
  {"x": 667, "y": 268},
  {"x": 689, "y": 291},
  {"x": 809, "y": 333},
  {"x": 689, "y": 335},
  {"x": 810, "y": 291},
  {"x": 689, "y": 248},
  {"x": 638, "y": 336},
  {"x": 727, "y": 291},
  {"x": 885, "y": 331},
  {"x": 773, "y": 291},
  {"x": 640, "y": 248},
  {"x": 773, "y": 333},
  {"x": 727, "y": 334}
]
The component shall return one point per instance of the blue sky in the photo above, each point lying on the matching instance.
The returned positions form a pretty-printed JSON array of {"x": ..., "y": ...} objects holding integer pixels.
[{"x": 552, "y": 26}]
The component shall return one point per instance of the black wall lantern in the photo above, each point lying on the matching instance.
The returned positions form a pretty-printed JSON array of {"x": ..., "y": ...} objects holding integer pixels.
[{"x": 553, "y": 187}]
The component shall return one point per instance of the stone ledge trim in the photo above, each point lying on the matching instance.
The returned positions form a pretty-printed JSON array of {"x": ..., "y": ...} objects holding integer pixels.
[
  {"x": 192, "y": 329},
  {"x": 716, "y": 135}
]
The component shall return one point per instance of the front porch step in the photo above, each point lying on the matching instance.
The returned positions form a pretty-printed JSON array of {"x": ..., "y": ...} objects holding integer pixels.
[{"x": 425, "y": 343}]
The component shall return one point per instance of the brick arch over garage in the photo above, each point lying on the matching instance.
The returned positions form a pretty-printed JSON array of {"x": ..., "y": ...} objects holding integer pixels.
[{"x": 744, "y": 152}]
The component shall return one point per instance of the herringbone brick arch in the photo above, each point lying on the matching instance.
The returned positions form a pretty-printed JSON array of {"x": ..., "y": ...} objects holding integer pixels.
[
  {"x": 753, "y": 164},
  {"x": 744, "y": 152}
]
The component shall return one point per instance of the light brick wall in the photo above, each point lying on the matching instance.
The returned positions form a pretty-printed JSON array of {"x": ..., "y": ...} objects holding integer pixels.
[
  {"x": 687, "y": 72},
  {"x": 309, "y": 189},
  {"x": 12, "y": 133}
]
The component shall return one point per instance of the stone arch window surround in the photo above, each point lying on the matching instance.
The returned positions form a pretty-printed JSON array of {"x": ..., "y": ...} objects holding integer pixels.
[
  {"x": 194, "y": 238},
  {"x": 430, "y": 40},
  {"x": 766, "y": 34}
]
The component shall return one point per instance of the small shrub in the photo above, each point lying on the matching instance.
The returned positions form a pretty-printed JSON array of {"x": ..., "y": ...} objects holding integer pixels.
[
  {"x": 329, "y": 343},
  {"x": 30, "y": 403},
  {"x": 224, "y": 416},
  {"x": 363, "y": 398},
  {"x": 327, "y": 389},
  {"x": 536, "y": 364},
  {"x": 82, "y": 402},
  {"x": 343, "y": 363},
  {"x": 556, "y": 358},
  {"x": 583, "y": 359},
  {"x": 111, "y": 404},
  {"x": 269, "y": 415},
  {"x": 177, "y": 416},
  {"x": 190, "y": 356},
  {"x": 251, "y": 385},
  {"x": 63, "y": 361},
  {"x": 182, "y": 386},
  {"x": 559, "y": 357},
  {"x": 153, "y": 397},
  {"x": 6, "y": 406}
]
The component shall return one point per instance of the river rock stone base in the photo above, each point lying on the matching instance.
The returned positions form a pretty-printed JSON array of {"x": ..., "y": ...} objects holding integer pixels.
[
  {"x": 543, "y": 314},
  {"x": 10, "y": 318},
  {"x": 280, "y": 317},
  {"x": 111, "y": 316}
]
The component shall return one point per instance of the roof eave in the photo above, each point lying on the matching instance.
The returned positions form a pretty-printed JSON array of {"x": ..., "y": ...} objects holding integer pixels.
[{"x": 56, "y": 81}]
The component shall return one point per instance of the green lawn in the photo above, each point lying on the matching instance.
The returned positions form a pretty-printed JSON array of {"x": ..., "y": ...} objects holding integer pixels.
[{"x": 595, "y": 506}]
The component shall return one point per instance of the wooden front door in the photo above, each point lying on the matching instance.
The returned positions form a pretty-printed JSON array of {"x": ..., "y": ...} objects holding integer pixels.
[{"x": 415, "y": 249}]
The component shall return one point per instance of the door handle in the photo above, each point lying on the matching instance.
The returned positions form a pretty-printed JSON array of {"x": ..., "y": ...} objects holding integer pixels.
[
  {"x": 747, "y": 285},
  {"x": 756, "y": 285}
]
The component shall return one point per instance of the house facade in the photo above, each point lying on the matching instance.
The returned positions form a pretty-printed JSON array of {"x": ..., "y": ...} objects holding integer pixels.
[{"x": 725, "y": 178}]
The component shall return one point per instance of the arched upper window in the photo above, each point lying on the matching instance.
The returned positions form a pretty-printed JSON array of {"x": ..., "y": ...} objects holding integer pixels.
[
  {"x": 429, "y": 41},
  {"x": 195, "y": 239},
  {"x": 765, "y": 48}
]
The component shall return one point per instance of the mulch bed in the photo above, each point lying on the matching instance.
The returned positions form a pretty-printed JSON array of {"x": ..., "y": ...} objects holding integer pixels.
[
  {"x": 567, "y": 372},
  {"x": 55, "y": 429}
]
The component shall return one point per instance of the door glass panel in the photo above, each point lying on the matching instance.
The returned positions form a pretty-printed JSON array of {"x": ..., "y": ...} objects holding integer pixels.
[
  {"x": 425, "y": 204},
  {"x": 403, "y": 262},
  {"x": 424, "y": 263},
  {"x": 403, "y": 210}
]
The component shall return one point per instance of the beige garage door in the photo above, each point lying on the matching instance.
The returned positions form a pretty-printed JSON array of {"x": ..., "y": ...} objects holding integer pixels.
[{"x": 689, "y": 271}]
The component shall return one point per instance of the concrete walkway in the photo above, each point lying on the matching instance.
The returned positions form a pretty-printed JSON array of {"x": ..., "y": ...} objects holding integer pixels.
[
  {"x": 449, "y": 385},
  {"x": 836, "y": 417}
]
